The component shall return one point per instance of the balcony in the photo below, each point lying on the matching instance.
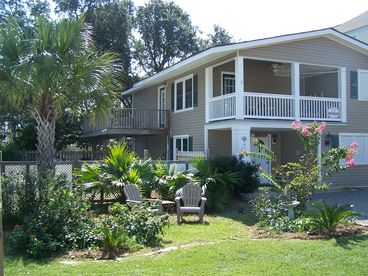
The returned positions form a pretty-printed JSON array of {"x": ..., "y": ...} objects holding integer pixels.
[
  {"x": 127, "y": 121},
  {"x": 243, "y": 88},
  {"x": 275, "y": 106}
]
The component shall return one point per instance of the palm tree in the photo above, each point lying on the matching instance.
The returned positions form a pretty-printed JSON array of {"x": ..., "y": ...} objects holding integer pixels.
[{"x": 52, "y": 67}]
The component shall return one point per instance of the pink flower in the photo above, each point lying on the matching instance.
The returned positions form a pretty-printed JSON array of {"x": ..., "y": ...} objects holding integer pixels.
[
  {"x": 306, "y": 131},
  {"x": 354, "y": 144},
  {"x": 297, "y": 125},
  {"x": 321, "y": 128},
  {"x": 350, "y": 154},
  {"x": 350, "y": 163}
]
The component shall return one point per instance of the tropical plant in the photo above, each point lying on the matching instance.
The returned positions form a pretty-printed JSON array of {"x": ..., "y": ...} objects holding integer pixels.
[
  {"x": 326, "y": 218},
  {"x": 52, "y": 67},
  {"x": 217, "y": 186}
]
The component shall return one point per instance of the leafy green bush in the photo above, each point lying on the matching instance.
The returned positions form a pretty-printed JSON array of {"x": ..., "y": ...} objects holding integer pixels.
[
  {"x": 246, "y": 172},
  {"x": 217, "y": 186},
  {"x": 114, "y": 239},
  {"x": 24, "y": 193},
  {"x": 140, "y": 222},
  {"x": 326, "y": 218},
  {"x": 61, "y": 221}
]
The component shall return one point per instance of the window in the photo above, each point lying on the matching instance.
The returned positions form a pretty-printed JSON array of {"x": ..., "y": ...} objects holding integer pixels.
[
  {"x": 361, "y": 158},
  {"x": 363, "y": 85},
  {"x": 182, "y": 143},
  {"x": 228, "y": 83},
  {"x": 184, "y": 93}
]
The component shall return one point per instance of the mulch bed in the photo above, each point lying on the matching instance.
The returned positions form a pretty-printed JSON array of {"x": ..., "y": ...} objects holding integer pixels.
[{"x": 341, "y": 231}]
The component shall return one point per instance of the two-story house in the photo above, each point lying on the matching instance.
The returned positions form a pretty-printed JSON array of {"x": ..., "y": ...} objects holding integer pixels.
[
  {"x": 356, "y": 27},
  {"x": 219, "y": 100}
]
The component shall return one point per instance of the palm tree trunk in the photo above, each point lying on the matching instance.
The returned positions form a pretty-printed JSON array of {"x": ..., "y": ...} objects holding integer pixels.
[{"x": 45, "y": 140}]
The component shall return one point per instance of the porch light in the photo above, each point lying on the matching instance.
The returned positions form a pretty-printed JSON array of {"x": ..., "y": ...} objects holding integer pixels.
[
  {"x": 274, "y": 139},
  {"x": 328, "y": 139}
]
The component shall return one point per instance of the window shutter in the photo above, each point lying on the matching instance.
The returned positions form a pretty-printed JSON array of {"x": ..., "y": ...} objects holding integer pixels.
[
  {"x": 171, "y": 150},
  {"x": 195, "y": 90},
  {"x": 173, "y": 97},
  {"x": 190, "y": 143},
  {"x": 334, "y": 140},
  {"x": 354, "y": 84}
]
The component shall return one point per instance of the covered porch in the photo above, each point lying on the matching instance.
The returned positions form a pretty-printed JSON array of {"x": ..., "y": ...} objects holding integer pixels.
[{"x": 249, "y": 88}]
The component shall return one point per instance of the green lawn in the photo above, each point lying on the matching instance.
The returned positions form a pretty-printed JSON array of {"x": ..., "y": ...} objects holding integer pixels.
[{"x": 221, "y": 246}]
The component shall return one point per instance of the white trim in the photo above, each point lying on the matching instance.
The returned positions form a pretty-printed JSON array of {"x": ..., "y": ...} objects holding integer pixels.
[
  {"x": 222, "y": 80},
  {"x": 183, "y": 80},
  {"x": 220, "y": 51},
  {"x": 186, "y": 136},
  {"x": 159, "y": 102},
  {"x": 239, "y": 87},
  {"x": 360, "y": 88},
  {"x": 208, "y": 91},
  {"x": 342, "y": 93},
  {"x": 295, "y": 88}
]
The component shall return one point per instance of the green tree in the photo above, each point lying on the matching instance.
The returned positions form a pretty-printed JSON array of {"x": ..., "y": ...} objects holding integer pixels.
[
  {"x": 24, "y": 10},
  {"x": 112, "y": 26},
  {"x": 219, "y": 37},
  {"x": 166, "y": 35},
  {"x": 75, "y": 8},
  {"x": 56, "y": 68}
]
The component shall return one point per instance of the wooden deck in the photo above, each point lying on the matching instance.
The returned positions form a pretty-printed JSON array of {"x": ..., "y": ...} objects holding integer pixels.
[{"x": 127, "y": 121}]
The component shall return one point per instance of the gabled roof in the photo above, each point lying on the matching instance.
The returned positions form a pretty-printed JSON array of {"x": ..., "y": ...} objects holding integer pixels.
[
  {"x": 214, "y": 53},
  {"x": 354, "y": 23}
]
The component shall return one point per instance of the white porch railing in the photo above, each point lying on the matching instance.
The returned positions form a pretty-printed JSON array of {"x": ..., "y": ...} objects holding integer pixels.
[
  {"x": 269, "y": 106},
  {"x": 222, "y": 107},
  {"x": 316, "y": 108},
  {"x": 276, "y": 106}
]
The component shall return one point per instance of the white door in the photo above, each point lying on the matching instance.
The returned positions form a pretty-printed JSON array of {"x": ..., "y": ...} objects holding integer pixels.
[
  {"x": 162, "y": 106},
  {"x": 265, "y": 164}
]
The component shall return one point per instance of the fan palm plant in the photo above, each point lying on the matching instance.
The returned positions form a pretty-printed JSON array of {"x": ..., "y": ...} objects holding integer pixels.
[{"x": 53, "y": 67}]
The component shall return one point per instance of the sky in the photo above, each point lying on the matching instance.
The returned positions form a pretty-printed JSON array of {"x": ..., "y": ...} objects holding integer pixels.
[{"x": 252, "y": 19}]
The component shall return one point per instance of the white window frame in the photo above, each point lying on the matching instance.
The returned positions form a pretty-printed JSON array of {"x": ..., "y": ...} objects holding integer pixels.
[
  {"x": 183, "y": 80},
  {"x": 360, "y": 88},
  {"x": 181, "y": 137},
  {"x": 365, "y": 162},
  {"x": 222, "y": 81},
  {"x": 163, "y": 114}
]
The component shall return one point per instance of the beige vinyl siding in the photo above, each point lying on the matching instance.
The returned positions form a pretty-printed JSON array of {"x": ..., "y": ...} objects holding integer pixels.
[
  {"x": 156, "y": 146},
  {"x": 227, "y": 67},
  {"x": 316, "y": 85},
  {"x": 146, "y": 99},
  {"x": 291, "y": 147},
  {"x": 219, "y": 142}
]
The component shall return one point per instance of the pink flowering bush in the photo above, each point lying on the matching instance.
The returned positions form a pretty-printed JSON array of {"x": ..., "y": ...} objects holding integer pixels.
[{"x": 299, "y": 180}]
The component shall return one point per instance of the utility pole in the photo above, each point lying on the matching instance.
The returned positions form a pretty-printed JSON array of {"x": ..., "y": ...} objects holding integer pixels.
[{"x": 1, "y": 222}]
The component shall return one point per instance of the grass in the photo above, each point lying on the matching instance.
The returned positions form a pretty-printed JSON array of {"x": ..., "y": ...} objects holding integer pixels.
[{"x": 221, "y": 246}]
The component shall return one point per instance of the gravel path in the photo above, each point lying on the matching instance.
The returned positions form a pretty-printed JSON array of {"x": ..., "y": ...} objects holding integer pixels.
[{"x": 356, "y": 197}]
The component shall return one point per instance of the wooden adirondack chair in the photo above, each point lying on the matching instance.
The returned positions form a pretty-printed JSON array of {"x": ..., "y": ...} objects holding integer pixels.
[
  {"x": 133, "y": 196},
  {"x": 192, "y": 200}
]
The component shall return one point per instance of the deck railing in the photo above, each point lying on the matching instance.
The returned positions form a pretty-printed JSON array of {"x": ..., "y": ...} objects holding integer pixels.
[
  {"x": 276, "y": 106},
  {"x": 316, "y": 108},
  {"x": 270, "y": 106},
  {"x": 129, "y": 118},
  {"x": 223, "y": 107}
]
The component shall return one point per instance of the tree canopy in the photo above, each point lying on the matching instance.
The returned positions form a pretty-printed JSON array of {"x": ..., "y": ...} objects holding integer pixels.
[{"x": 166, "y": 35}]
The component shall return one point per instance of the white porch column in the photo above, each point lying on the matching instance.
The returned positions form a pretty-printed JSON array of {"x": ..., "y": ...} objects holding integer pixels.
[
  {"x": 206, "y": 140},
  {"x": 240, "y": 140},
  {"x": 342, "y": 93},
  {"x": 295, "y": 88},
  {"x": 239, "y": 87},
  {"x": 208, "y": 91}
]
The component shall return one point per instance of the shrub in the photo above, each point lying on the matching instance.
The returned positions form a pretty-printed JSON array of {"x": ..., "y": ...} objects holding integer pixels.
[
  {"x": 139, "y": 222},
  {"x": 113, "y": 239},
  {"x": 217, "y": 186},
  {"x": 246, "y": 172},
  {"x": 24, "y": 193},
  {"x": 61, "y": 221},
  {"x": 326, "y": 218}
]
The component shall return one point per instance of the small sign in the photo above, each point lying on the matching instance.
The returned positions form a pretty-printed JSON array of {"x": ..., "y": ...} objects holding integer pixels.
[{"x": 333, "y": 113}]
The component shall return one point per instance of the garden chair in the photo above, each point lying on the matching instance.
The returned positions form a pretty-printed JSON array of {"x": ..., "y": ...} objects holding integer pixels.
[
  {"x": 133, "y": 196},
  {"x": 192, "y": 201}
]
